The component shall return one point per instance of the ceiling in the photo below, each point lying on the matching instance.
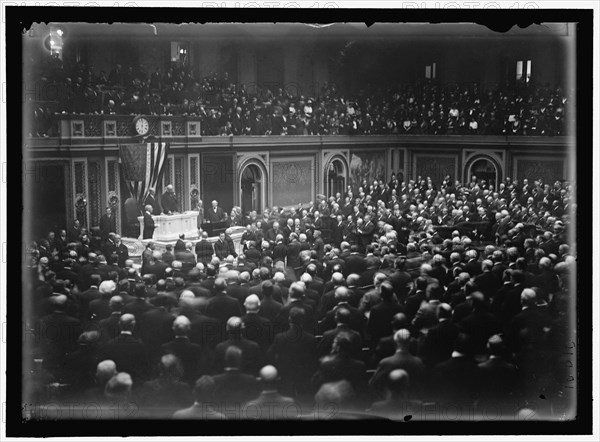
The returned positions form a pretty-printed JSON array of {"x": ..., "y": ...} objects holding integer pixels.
[{"x": 297, "y": 30}]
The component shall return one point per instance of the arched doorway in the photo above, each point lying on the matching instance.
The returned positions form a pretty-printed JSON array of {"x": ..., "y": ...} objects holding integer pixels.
[
  {"x": 251, "y": 182},
  {"x": 484, "y": 169},
  {"x": 336, "y": 178}
]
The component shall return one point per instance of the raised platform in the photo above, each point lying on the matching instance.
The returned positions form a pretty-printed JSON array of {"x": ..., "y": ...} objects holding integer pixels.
[{"x": 136, "y": 245}]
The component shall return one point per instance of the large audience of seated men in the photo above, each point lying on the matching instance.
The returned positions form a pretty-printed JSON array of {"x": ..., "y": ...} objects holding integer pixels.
[
  {"x": 385, "y": 305},
  {"x": 228, "y": 108}
]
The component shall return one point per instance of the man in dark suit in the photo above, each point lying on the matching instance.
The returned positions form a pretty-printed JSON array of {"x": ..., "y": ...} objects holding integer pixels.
[
  {"x": 151, "y": 201},
  {"x": 487, "y": 282},
  {"x": 138, "y": 306},
  {"x": 357, "y": 318},
  {"x": 532, "y": 318},
  {"x": 293, "y": 252},
  {"x": 355, "y": 263},
  {"x": 296, "y": 300},
  {"x": 128, "y": 352},
  {"x": 148, "y": 223},
  {"x": 203, "y": 407},
  {"x": 233, "y": 387},
  {"x": 215, "y": 214},
  {"x": 221, "y": 247},
  {"x": 437, "y": 345},
  {"x": 121, "y": 251},
  {"x": 341, "y": 365},
  {"x": 294, "y": 352},
  {"x": 204, "y": 249},
  {"x": 269, "y": 308},
  {"x": 109, "y": 327},
  {"x": 480, "y": 324},
  {"x": 498, "y": 377},
  {"x": 154, "y": 327},
  {"x": 380, "y": 318},
  {"x": 270, "y": 404},
  {"x": 167, "y": 389},
  {"x": 57, "y": 334},
  {"x": 193, "y": 359},
  {"x": 222, "y": 306},
  {"x": 458, "y": 378},
  {"x": 366, "y": 231},
  {"x": 252, "y": 356},
  {"x": 342, "y": 319},
  {"x": 257, "y": 328},
  {"x": 187, "y": 258},
  {"x": 402, "y": 359},
  {"x": 108, "y": 224},
  {"x": 280, "y": 249},
  {"x": 205, "y": 331},
  {"x": 168, "y": 201},
  {"x": 179, "y": 245}
]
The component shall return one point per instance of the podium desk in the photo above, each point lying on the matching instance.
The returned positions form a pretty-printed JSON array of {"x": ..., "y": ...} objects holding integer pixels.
[
  {"x": 214, "y": 229},
  {"x": 169, "y": 227}
]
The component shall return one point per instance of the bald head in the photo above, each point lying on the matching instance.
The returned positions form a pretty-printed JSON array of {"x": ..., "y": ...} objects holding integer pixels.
[
  {"x": 252, "y": 303},
  {"x": 402, "y": 338},
  {"x": 268, "y": 374},
  {"x": 127, "y": 322},
  {"x": 105, "y": 370},
  {"x": 341, "y": 294},
  {"x": 181, "y": 326},
  {"x": 234, "y": 325}
]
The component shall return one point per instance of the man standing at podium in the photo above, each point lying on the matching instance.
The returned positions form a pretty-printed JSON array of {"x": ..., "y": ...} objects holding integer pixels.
[
  {"x": 168, "y": 200},
  {"x": 215, "y": 214},
  {"x": 148, "y": 223}
]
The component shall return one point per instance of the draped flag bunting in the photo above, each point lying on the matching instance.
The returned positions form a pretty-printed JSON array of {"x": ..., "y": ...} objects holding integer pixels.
[{"x": 142, "y": 166}]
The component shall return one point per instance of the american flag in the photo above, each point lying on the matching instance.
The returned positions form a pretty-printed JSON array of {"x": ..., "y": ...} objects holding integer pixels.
[{"x": 142, "y": 166}]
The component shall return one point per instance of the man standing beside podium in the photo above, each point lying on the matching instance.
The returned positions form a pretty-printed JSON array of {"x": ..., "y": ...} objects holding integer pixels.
[
  {"x": 215, "y": 214},
  {"x": 168, "y": 200}
]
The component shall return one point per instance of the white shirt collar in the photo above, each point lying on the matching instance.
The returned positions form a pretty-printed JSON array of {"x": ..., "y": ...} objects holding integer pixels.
[{"x": 457, "y": 354}]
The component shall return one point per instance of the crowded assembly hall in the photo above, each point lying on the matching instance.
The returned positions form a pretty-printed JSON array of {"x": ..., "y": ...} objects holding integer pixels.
[{"x": 282, "y": 222}]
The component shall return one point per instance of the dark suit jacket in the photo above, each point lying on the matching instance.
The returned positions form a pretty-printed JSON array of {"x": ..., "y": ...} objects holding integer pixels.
[
  {"x": 399, "y": 360},
  {"x": 438, "y": 343},
  {"x": 339, "y": 367},
  {"x": 355, "y": 263},
  {"x": 195, "y": 362},
  {"x": 148, "y": 226},
  {"x": 269, "y": 308},
  {"x": 252, "y": 356},
  {"x": 222, "y": 307},
  {"x": 210, "y": 215},
  {"x": 179, "y": 246},
  {"x": 380, "y": 320},
  {"x": 221, "y": 249},
  {"x": 234, "y": 388},
  {"x": 206, "y": 331},
  {"x": 57, "y": 334},
  {"x": 137, "y": 308},
  {"x": 107, "y": 225},
  {"x": 204, "y": 251},
  {"x": 129, "y": 353},
  {"x": 258, "y": 329},
  {"x": 498, "y": 378},
  {"x": 326, "y": 342},
  {"x": 154, "y": 328},
  {"x": 294, "y": 353},
  {"x": 109, "y": 327},
  {"x": 169, "y": 202},
  {"x": 456, "y": 379},
  {"x": 168, "y": 395},
  {"x": 488, "y": 283},
  {"x": 272, "y": 405}
]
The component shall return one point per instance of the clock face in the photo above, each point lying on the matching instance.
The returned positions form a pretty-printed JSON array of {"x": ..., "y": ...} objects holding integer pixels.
[{"x": 142, "y": 126}]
